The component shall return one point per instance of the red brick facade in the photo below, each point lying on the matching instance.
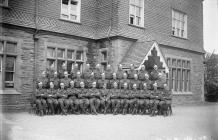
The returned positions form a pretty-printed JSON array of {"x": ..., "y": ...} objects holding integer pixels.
[{"x": 36, "y": 24}]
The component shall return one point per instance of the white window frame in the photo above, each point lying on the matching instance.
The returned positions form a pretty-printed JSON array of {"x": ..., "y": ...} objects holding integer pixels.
[
  {"x": 141, "y": 13},
  {"x": 69, "y": 11},
  {"x": 5, "y": 3},
  {"x": 177, "y": 23}
]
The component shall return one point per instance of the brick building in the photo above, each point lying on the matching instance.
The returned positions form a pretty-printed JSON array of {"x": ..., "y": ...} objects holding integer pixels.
[{"x": 37, "y": 34}]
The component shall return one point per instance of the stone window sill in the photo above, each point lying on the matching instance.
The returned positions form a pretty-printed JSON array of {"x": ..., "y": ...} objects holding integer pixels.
[
  {"x": 182, "y": 93},
  {"x": 67, "y": 20},
  {"x": 9, "y": 91}
]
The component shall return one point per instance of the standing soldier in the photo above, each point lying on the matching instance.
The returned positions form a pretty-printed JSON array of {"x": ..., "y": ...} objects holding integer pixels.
[
  {"x": 131, "y": 72},
  {"x": 83, "y": 98},
  {"x": 66, "y": 80},
  {"x": 40, "y": 101},
  {"x": 124, "y": 101},
  {"x": 55, "y": 80},
  {"x": 114, "y": 80},
  {"x": 74, "y": 71},
  {"x": 155, "y": 95},
  {"x": 62, "y": 70},
  {"x": 78, "y": 80},
  {"x": 104, "y": 98},
  {"x": 141, "y": 76},
  {"x": 97, "y": 72},
  {"x": 124, "y": 80},
  {"x": 108, "y": 72},
  {"x": 94, "y": 99},
  {"x": 87, "y": 74},
  {"x": 115, "y": 95},
  {"x": 103, "y": 81},
  {"x": 120, "y": 72},
  {"x": 135, "y": 81},
  {"x": 52, "y": 99},
  {"x": 89, "y": 81},
  {"x": 44, "y": 80},
  {"x": 62, "y": 99},
  {"x": 167, "y": 97},
  {"x": 154, "y": 74},
  {"x": 134, "y": 100},
  {"x": 73, "y": 98}
]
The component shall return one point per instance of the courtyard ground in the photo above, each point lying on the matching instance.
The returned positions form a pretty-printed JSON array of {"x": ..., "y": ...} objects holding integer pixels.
[{"x": 187, "y": 123}]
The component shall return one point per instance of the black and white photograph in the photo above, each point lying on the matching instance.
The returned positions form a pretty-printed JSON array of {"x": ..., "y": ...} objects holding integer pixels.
[{"x": 108, "y": 69}]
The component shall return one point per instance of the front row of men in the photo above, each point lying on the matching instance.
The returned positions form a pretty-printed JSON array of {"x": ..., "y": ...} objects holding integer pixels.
[{"x": 84, "y": 101}]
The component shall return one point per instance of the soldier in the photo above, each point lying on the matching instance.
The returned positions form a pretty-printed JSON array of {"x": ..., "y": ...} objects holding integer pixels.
[
  {"x": 141, "y": 76},
  {"x": 144, "y": 101},
  {"x": 124, "y": 80},
  {"x": 120, "y": 72},
  {"x": 105, "y": 98},
  {"x": 97, "y": 72},
  {"x": 133, "y": 104},
  {"x": 78, "y": 80},
  {"x": 73, "y": 98},
  {"x": 52, "y": 99},
  {"x": 62, "y": 99},
  {"x": 134, "y": 81},
  {"x": 40, "y": 101},
  {"x": 155, "y": 95},
  {"x": 155, "y": 73},
  {"x": 145, "y": 81},
  {"x": 114, "y": 80},
  {"x": 103, "y": 81},
  {"x": 87, "y": 72},
  {"x": 55, "y": 80},
  {"x": 44, "y": 80},
  {"x": 167, "y": 98},
  {"x": 115, "y": 95},
  {"x": 124, "y": 101},
  {"x": 108, "y": 72},
  {"x": 131, "y": 72},
  {"x": 66, "y": 80},
  {"x": 83, "y": 98},
  {"x": 88, "y": 82},
  {"x": 94, "y": 99},
  {"x": 74, "y": 71},
  {"x": 62, "y": 70}
]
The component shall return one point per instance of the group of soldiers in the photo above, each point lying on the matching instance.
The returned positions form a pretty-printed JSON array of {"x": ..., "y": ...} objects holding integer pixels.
[{"x": 96, "y": 91}]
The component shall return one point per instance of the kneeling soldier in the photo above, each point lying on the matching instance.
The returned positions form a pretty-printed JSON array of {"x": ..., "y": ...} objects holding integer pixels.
[
  {"x": 83, "y": 98},
  {"x": 124, "y": 99},
  {"x": 52, "y": 99},
  {"x": 105, "y": 98},
  {"x": 73, "y": 98},
  {"x": 62, "y": 99},
  {"x": 115, "y": 95},
  {"x": 40, "y": 101},
  {"x": 94, "y": 99}
]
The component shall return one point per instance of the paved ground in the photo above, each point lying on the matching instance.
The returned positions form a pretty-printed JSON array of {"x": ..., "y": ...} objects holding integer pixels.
[{"x": 187, "y": 121}]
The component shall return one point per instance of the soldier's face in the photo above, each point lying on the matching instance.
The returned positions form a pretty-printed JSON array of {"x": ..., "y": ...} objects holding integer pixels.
[
  {"x": 40, "y": 85},
  {"x": 82, "y": 85},
  {"x": 93, "y": 85},
  {"x": 78, "y": 75},
  {"x": 132, "y": 67},
  {"x": 72, "y": 84},
  {"x": 125, "y": 86},
  {"x": 143, "y": 68},
  {"x": 134, "y": 86},
  {"x": 115, "y": 85},
  {"x": 88, "y": 66},
  {"x": 120, "y": 67},
  {"x": 103, "y": 76},
  {"x": 52, "y": 85},
  {"x": 62, "y": 86},
  {"x": 125, "y": 76},
  {"x": 65, "y": 75},
  {"x": 55, "y": 75},
  {"x": 136, "y": 77},
  {"x": 145, "y": 86},
  {"x": 104, "y": 86},
  {"x": 155, "y": 67},
  {"x": 114, "y": 76},
  {"x": 43, "y": 75}
]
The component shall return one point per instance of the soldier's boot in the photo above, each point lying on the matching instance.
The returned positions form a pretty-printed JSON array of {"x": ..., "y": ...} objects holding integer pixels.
[
  {"x": 115, "y": 111},
  {"x": 170, "y": 110}
]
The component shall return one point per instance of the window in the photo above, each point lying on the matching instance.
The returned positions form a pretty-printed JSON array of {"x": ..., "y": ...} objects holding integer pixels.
[
  {"x": 4, "y": 3},
  {"x": 136, "y": 12},
  {"x": 179, "y": 24},
  {"x": 56, "y": 57},
  {"x": 70, "y": 10},
  {"x": 104, "y": 57},
  {"x": 8, "y": 52},
  {"x": 179, "y": 75}
]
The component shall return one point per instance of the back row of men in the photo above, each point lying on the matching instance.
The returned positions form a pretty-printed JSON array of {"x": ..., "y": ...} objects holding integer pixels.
[{"x": 108, "y": 76}]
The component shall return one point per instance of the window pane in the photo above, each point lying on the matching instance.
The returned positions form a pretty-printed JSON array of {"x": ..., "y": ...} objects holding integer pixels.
[
  {"x": 50, "y": 52},
  {"x": 61, "y": 53},
  {"x": 137, "y": 2},
  {"x": 80, "y": 66},
  {"x": 69, "y": 66},
  {"x": 132, "y": 10},
  {"x": 131, "y": 19},
  {"x": 73, "y": 17},
  {"x": 138, "y": 20},
  {"x": 104, "y": 56},
  {"x": 50, "y": 64},
  {"x": 138, "y": 11},
  {"x": 73, "y": 7},
  {"x": 10, "y": 47},
  {"x": 9, "y": 76},
  {"x": 132, "y": 1},
  {"x": 60, "y": 64},
  {"x": 64, "y": 16},
  {"x": 65, "y": 2},
  {"x": 1, "y": 46},
  {"x": 79, "y": 55},
  {"x": 70, "y": 54},
  {"x": 9, "y": 63}
]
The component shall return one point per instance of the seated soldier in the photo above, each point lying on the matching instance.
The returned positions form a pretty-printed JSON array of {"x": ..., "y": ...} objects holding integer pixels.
[
  {"x": 66, "y": 80},
  {"x": 97, "y": 72},
  {"x": 55, "y": 80},
  {"x": 52, "y": 99},
  {"x": 167, "y": 97},
  {"x": 83, "y": 98},
  {"x": 124, "y": 80},
  {"x": 146, "y": 81},
  {"x": 62, "y": 99},
  {"x": 133, "y": 105},
  {"x": 155, "y": 94},
  {"x": 134, "y": 81},
  {"x": 74, "y": 71},
  {"x": 104, "y": 98},
  {"x": 94, "y": 99},
  {"x": 73, "y": 98},
  {"x": 124, "y": 101},
  {"x": 44, "y": 80},
  {"x": 114, "y": 79},
  {"x": 102, "y": 81},
  {"x": 87, "y": 72},
  {"x": 108, "y": 72},
  {"x": 131, "y": 72},
  {"x": 78, "y": 80},
  {"x": 144, "y": 101},
  {"x": 115, "y": 95},
  {"x": 120, "y": 72},
  {"x": 40, "y": 101},
  {"x": 88, "y": 82},
  {"x": 62, "y": 70}
]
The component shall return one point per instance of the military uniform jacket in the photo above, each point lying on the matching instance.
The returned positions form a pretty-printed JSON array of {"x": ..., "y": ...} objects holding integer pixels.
[
  {"x": 61, "y": 73},
  {"x": 62, "y": 93},
  {"x": 108, "y": 74},
  {"x": 154, "y": 75},
  {"x": 112, "y": 81},
  {"x": 132, "y": 82},
  {"x": 125, "y": 81},
  {"x": 83, "y": 93},
  {"x": 77, "y": 82},
  {"x": 44, "y": 81},
  {"x": 155, "y": 94},
  {"x": 141, "y": 75},
  {"x": 148, "y": 82},
  {"x": 56, "y": 82},
  {"x": 104, "y": 93},
  {"x": 115, "y": 93},
  {"x": 93, "y": 93},
  {"x": 131, "y": 74},
  {"x": 87, "y": 74},
  {"x": 40, "y": 93},
  {"x": 66, "y": 82},
  {"x": 125, "y": 94},
  {"x": 144, "y": 94},
  {"x": 88, "y": 82},
  {"x": 134, "y": 94},
  {"x": 119, "y": 74},
  {"x": 97, "y": 74},
  {"x": 73, "y": 92},
  {"x": 101, "y": 82},
  {"x": 166, "y": 95},
  {"x": 52, "y": 93},
  {"x": 73, "y": 73}
]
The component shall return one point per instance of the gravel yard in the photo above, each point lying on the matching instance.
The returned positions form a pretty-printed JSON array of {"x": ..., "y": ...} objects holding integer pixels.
[{"x": 187, "y": 123}]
